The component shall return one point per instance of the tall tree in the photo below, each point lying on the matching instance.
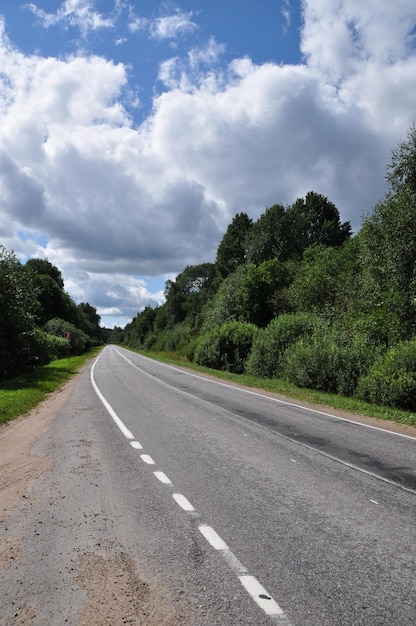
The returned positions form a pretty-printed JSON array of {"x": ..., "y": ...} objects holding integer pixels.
[
  {"x": 17, "y": 314},
  {"x": 53, "y": 300},
  {"x": 402, "y": 168},
  {"x": 232, "y": 250},
  {"x": 266, "y": 238},
  {"x": 312, "y": 221}
]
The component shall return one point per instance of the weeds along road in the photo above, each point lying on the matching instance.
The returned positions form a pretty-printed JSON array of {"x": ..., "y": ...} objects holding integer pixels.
[{"x": 175, "y": 499}]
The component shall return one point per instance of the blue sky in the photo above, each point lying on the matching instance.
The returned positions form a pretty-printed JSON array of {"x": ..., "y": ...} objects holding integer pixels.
[{"x": 131, "y": 132}]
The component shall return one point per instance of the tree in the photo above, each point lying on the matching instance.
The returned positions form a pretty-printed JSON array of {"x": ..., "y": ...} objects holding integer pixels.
[
  {"x": 53, "y": 300},
  {"x": 309, "y": 221},
  {"x": 89, "y": 320},
  {"x": 261, "y": 288},
  {"x": 388, "y": 259},
  {"x": 187, "y": 294},
  {"x": 402, "y": 169},
  {"x": 231, "y": 252},
  {"x": 325, "y": 279},
  {"x": 266, "y": 238},
  {"x": 17, "y": 315}
]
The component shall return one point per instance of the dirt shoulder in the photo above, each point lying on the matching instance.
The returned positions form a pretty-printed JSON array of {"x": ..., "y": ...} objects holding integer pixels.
[{"x": 18, "y": 465}]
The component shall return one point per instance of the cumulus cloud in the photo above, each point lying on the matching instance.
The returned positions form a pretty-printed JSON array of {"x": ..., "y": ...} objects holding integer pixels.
[{"x": 118, "y": 201}]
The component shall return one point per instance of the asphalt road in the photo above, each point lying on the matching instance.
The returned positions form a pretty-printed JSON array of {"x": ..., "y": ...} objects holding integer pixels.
[{"x": 236, "y": 507}]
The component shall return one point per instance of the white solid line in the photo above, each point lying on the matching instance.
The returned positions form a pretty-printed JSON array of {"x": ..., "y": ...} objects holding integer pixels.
[
  {"x": 136, "y": 445},
  {"x": 212, "y": 537},
  {"x": 126, "y": 432},
  {"x": 162, "y": 477},
  {"x": 146, "y": 458},
  {"x": 183, "y": 502},
  {"x": 260, "y": 596}
]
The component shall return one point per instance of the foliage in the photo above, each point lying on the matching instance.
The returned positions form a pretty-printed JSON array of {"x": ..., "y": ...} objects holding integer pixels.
[
  {"x": 32, "y": 299},
  {"x": 17, "y": 314},
  {"x": 187, "y": 294},
  {"x": 78, "y": 341},
  {"x": 271, "y": 343},
  {"x": 228, "y": 304},
  {"x": 391, "y": 380},
  {"x": 232, "y": 250},
  {"x": 331, "y": 359},
  {"x": 262, "y": 286},
  {"x": 388, "y": 260},
  {"x": 402, "y": 169},
  {"x": 226, "y": 347},
  {"x": 326, "y": 279},
  {"x": 266, "y": 238}
]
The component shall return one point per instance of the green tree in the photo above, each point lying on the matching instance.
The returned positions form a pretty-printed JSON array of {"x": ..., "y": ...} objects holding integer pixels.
[
  {"x": 262, "y": 286},
  {"x": 388, "y": 259},
  {"x": 326, "y": 279},
  {"x": 312, "y": 221},
  {"x": 17, "y": 315},
  {"x": 229, "y": 302},
  {"x": 402, "y": 169},
  {"x": 53, "y": 300},
  {"x": 188, "y": 293},
  {"x": 266, "y": 238},
  {"x": 89, "y": 320},
  {"x": 232, "y": 250}
]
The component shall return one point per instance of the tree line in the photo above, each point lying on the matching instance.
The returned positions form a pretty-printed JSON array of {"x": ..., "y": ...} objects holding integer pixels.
[
  {"x": 295, "y": 295},
  {"x": 39, "y": 321}
]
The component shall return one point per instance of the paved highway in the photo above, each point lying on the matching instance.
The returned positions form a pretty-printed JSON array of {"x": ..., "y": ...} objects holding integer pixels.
[{"x": 235, "y": 507}]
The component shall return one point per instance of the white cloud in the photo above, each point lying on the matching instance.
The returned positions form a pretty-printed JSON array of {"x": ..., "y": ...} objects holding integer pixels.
[
  {"x": 75, "y": 13},
  {"x": 172, "y": 26},
  {"x": 116, "y": 201}
]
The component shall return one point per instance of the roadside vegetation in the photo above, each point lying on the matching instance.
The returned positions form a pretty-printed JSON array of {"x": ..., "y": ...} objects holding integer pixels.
[
  {"x": 295, "y": 300},
  {"x": 21, "y": 394},
  {"x": 39, "y": 321}
]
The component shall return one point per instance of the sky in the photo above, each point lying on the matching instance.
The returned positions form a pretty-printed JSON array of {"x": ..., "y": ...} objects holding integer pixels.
[{"x": 132, "y": 131}]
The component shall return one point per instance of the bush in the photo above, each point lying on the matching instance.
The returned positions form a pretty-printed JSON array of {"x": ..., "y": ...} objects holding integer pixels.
[
  {"x": 331, "y": 359},
  {"x": 391, "y": 380},
  {"x": 79, "y": 341},
  {"x": 266, "y": 357},
  {"x": 226, "y": 347}
]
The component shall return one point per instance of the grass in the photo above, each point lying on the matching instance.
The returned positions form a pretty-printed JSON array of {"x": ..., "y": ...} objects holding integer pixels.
[
  {"x": 284, "y": 388},
  {"x": 20, "y": 395}
]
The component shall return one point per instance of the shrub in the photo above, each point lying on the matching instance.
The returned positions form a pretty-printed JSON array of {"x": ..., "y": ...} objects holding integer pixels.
[
  {"x": 266, "y": 356},
  {"x": 226, "y": 347},
  {"x": 79, "y": 341},
  {"x": 391, "y": 380},
  {"x": 332, "y": 359}
]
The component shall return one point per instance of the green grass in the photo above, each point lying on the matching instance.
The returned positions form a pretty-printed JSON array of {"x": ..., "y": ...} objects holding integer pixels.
[
  {"x": 284, "y": 388},
  {"x": 20, "y": 395}
]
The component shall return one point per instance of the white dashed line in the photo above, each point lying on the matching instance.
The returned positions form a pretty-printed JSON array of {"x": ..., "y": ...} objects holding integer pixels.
[
  {"x": 162, "y": 477},
  {"x": 136, "y": 445},
  {"x": 212, "y": 537},
  {"x": 146, "y": 458},
  {"x": 183, "y": 502},
  {"x": 261, "y": 596}
]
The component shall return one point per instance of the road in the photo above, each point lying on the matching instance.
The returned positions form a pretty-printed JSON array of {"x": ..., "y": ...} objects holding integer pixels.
[{"x": 177, "y": 499}]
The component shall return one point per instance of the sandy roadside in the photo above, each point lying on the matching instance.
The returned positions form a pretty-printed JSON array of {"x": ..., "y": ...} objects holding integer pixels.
[{"x": 18, "y": 465}]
